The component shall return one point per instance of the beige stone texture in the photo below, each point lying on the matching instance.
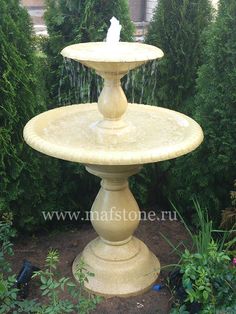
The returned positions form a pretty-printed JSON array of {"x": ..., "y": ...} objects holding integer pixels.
[{"x": 113, "y": 139}]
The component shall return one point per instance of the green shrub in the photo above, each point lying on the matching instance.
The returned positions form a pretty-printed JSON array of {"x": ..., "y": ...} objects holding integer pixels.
[
  {"x": 27, "y": 180},
  {"x": 210, "y": 171},
  {"x": 209, "y": 279},
  {"x": 208, "y": 274},
  {"x": 177, "y": 28}
]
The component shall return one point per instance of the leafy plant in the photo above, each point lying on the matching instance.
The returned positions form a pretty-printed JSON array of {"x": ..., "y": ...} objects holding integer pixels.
[
  {"x": 8, "y": 291},
  {"x": 208, "y": 278},
  {"x": 228, "y": 217},
  {"x": 207, "y": 274},
  {"x": 53, "y": 287},
  {"x": 6, "y": 247},
  {"x": 180, "y": 310},
  {"x": 6, "y": 233},
  {"x": 201, "y": 239}
]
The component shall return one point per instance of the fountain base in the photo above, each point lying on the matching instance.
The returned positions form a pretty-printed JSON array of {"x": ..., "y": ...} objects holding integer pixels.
[
  {"x": 122, "y": 265},
  {"x": 123, "y": 270}
]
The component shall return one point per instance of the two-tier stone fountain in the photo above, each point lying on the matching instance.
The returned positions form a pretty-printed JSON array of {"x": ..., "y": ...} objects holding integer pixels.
[{"x": 113, "y": 139}]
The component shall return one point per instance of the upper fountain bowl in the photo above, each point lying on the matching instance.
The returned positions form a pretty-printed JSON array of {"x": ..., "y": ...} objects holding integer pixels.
[{"x": 112, "y": 57}]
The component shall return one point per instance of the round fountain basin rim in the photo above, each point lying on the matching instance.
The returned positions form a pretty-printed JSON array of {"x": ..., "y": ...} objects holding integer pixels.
[
  {"x": 106, "y": 157},
  {"x": 130, "y": 53}
]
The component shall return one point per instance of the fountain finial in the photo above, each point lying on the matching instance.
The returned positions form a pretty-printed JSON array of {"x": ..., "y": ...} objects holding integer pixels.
[{"x": 113, "y": 34}]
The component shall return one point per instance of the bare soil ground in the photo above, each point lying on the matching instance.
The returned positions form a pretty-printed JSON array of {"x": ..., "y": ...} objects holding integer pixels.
[{"x": 70, "y": 243}]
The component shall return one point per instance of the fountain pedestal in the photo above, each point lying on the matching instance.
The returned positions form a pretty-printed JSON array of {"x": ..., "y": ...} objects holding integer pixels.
[
  {"x": 113, "y": 139},
  {"x": 122, "y": 264}
]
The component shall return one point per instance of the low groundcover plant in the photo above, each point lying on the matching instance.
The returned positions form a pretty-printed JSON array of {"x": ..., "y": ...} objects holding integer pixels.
[{"x": 59, "y": 295}]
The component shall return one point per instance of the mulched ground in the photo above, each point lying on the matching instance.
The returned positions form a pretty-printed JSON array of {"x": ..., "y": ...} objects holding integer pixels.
[{"x": 70, "y": 243}]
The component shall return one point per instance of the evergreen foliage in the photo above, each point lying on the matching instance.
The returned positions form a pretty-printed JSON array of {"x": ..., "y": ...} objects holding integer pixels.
[
  {"x": 27, "y": 179},
  {"x": 210, "y": 171},
  {"x": 176, "y": 28}
]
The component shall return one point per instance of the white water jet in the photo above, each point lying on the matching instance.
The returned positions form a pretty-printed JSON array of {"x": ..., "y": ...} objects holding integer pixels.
[{"x": 113, "y": 34}]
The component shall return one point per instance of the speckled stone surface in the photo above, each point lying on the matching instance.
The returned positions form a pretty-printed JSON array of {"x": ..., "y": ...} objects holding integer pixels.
[
  {"x": 113, "y": 139},
  {"x": 155, "y": 134}
]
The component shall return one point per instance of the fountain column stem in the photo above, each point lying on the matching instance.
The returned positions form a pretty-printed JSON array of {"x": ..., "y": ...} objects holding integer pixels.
[
  {"x": 115, "y": 213},
  {"x": 112, "y": 102}
]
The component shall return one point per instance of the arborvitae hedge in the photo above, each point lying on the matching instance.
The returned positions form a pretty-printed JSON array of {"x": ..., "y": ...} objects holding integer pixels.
[
  {"x": 210, "y": 171},
  {"x": 176, "y": 28},
  {"x": 27, "y": 180}
]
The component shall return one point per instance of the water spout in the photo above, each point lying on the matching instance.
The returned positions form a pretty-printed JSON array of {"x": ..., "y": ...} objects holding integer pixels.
[{"x": 113, "y": 34}]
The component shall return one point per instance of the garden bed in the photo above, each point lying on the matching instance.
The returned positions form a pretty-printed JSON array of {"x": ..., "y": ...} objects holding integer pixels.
[{"x": 70, "y": 243}]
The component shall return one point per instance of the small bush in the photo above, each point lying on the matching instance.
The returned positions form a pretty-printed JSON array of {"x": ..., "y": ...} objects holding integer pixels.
[{"x": 207, "y": 275}]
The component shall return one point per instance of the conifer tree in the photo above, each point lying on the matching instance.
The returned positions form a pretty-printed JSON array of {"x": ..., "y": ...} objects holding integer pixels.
[
  {"x": 210, "y": 171},
  {"x": 176, "y": 28},
  {"x": 27, "y": 179}
]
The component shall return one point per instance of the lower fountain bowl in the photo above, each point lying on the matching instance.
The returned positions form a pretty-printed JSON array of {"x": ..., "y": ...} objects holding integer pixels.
[{"x": 72, "y": 133}]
